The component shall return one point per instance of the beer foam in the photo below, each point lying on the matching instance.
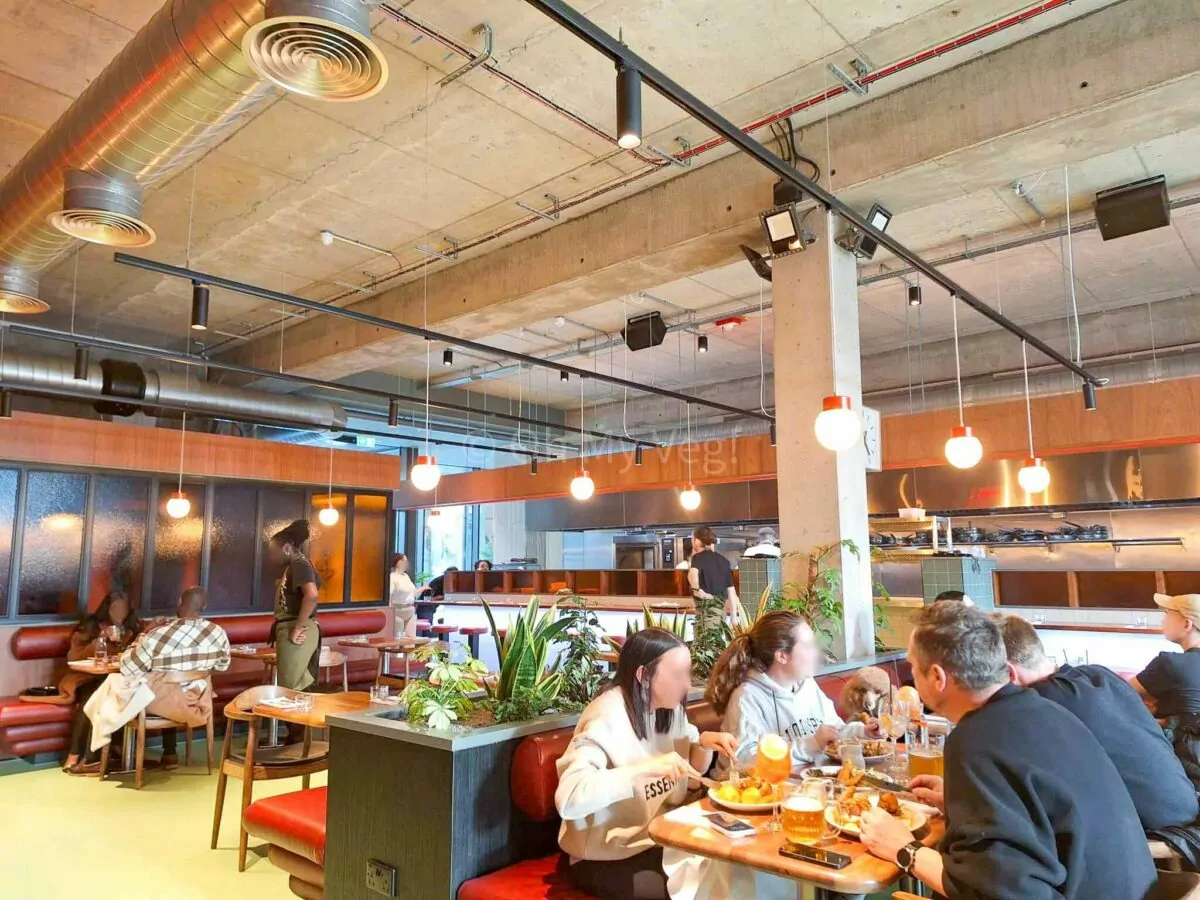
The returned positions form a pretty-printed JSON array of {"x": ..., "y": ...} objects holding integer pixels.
[{"x": 803, "y": 804}]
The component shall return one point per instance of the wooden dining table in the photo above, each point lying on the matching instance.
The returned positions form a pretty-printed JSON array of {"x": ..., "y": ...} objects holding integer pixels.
[
  {"x": 866, "y": 874},
  {"x": 387, "y": 646},
  {"x": 322, "y": 705},
  {"x": 92, "y": 666}
]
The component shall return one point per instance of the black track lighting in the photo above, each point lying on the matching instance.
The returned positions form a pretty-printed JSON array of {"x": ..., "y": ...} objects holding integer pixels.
[
  {"x": 199, "y": 306},
  {"x": 564, "y": 376},
  {"x": 447, "y": 357},
  {"x": 81, "y": 363},
  {"x": 533, "y": 466},
  {"x": 637, "y": 455},
  {"x": 393, "y": 413},
  {"x": 1089, "y": 396},
  {"x": 5, "y": 404},
  {"x": 914, "y": 295},
  {"x": 771, "y": 432},
  {"x": 629, "y": 107},
  {"x": 702, "y": 344}
]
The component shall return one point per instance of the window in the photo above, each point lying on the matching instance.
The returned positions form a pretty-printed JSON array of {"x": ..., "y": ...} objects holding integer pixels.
[
  {"x": 369, "y": 549},
  {"x": 280, "y": 507},
  {"x": 52, "y": 543},
  {"x": 9, "y": 479},
  {"x": 327, "y": 548},
  {"x": 178, "y": 545},
  {"x": 232, "y": 547},
  {"x": 445, "y": 536},
  {"x": 119, "y": 511}
]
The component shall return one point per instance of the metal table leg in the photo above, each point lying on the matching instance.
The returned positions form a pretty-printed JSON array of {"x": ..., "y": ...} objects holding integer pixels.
[{"x": 273, "y": 728}]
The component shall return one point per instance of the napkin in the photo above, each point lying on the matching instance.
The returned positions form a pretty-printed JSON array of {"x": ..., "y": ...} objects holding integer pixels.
[{"x": 280, "y": 702}]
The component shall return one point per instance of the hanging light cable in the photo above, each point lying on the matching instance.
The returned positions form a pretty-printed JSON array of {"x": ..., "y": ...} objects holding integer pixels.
[
  {"x": 689, "y": 497},
  {"x": 837, "y": 425},
  {"x": 179, "y": 505},
  {"x": 425, "y": 473},
  {"x": 1034, "y": 477},
  {"x": 329, "y": 516},
  {"x": 963, "y": 449},
  {"x": 81, "y": 352},
  {"x": 582, "y": 486}
]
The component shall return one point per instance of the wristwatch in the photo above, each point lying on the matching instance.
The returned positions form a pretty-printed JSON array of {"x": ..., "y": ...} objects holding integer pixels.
[{"x": 906, "y": 856}]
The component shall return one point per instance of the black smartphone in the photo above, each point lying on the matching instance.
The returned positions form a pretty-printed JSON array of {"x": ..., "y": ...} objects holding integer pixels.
[
  {"x": 729, "y": 826},
  {"x": 815, "y": 855}
]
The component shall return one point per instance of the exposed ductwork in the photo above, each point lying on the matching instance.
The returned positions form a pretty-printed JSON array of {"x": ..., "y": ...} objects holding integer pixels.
[{"x": 122, "y": 388}]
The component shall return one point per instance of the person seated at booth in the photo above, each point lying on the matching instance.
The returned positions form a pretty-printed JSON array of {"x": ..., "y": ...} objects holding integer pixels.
[
  {"x": 188, "y": 643},
  {"x": 764, "y": 684},
  {"x": 117, "y": 624},
  {"x": 483, "y": 565},
  {"x": 633, "y": 752},
  {"x": 436, "y": 588},
  {"x": 1113, "y": 712}
]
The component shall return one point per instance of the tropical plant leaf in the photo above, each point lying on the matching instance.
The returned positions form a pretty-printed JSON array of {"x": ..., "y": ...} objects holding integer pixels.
[{"x": 495, "y": 632}]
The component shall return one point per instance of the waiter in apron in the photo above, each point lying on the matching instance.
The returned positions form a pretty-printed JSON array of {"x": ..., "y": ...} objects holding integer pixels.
[{"x": 297, "y": 635}]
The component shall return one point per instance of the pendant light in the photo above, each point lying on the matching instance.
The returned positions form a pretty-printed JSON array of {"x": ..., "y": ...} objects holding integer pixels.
[
  {"x": 963, "y": 449},
  {"x": 425, "y": 474},
  {"x": 5, "y": 404},
  {"x": 1034, "y": 477},
  {"x": 447, "y": 357},
  {"x": 329, "y": 516},
  {"x": 837, "y": 425},
  {"x": 179, "y": 505},
  {"x": 81, "y": 363},
  {"x": 629, "y": 107},
  {"x": 533, "y": 466},
  {"x": 582, "y": 486},
  {"x": 689, "y": 497},
  {"x": 199, "y": 306}
]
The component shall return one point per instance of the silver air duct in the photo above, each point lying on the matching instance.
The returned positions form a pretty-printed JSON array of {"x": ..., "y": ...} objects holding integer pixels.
[
  {"x": 124, "y": 387},
  {"x": 178, "y": 87},
  {"x": 318, "y": 48},
  {"x": 102, "y": 210}
]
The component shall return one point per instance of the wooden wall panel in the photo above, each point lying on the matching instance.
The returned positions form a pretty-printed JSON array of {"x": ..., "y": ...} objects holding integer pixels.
[{"x": 89, "y": 443}]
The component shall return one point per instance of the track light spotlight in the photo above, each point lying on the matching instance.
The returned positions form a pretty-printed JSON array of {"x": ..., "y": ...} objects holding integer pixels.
[
  {"x": 533, "y": 466},
  {"x": 914, "y": 295},
  {"x": 1089, "y": 396},
  {"x": 637, "y": 455},
  {"x": 629, "y": 107},
  {"x": 771, "y": 432},
  {"x": 702, "y": 344},
  {"x": 327, "y": 238},
  {"x": 564, "y": 376},
  {"x": 81, "y": 363},
  {"x": 199, "y": 306},
  {"x": 5, "y": 404},
  {"x": 447, "y": 357},
  {"x": 393, "y": 413}
]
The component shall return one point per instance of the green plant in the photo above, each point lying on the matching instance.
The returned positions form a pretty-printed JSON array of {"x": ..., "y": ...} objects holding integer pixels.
[
  {"x": 524, "y": 652},
  {"x": 444, "y": 697},
  {"x": 584, "y": 638},
  {"x": 767, "y": 601},
  {"x": 819, "y": 597},
  {"x": 710, "y": 635}
]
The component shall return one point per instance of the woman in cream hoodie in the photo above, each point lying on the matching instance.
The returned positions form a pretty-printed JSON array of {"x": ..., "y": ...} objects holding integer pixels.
[
  {"x": 763, "y": 684},
  {"x": 633, "y": 752}
]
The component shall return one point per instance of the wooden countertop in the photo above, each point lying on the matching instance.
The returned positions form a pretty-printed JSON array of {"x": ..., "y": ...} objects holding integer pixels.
[
  {"x": 1104, "y": 629},
  {"x": 599, "y": 602}
]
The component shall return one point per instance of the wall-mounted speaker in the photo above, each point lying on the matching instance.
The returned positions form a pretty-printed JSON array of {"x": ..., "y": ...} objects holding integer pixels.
[
  {"x": 646, "y": 330},
  {"x": 1133, "y": 208}
]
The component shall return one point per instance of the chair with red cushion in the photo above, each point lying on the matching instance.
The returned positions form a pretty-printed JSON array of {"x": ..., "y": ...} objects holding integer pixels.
[
  {"x": 293, "y": 825},
  {"x": 473, "y": 632}
]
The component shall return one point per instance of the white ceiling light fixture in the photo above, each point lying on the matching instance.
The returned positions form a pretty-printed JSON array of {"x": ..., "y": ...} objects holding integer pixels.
[
  {"x": 582, "y": 487},
  {"x": 1034, "y": 477},
  {"x": 425, "y": 474},
  {"x": 689, "y": 497},
  {"x": 329, "y": 516},
  {"x": 963, "y": 449},
  {"x": 837, "y": 425}
]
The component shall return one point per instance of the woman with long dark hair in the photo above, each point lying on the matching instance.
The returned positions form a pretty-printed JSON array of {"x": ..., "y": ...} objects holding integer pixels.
[
  {"x": 633, "y": 751},
  {"x": 297, "y": 636},
  {"x": 116, "y": 622},
  {"x": 764, "y": 684}
]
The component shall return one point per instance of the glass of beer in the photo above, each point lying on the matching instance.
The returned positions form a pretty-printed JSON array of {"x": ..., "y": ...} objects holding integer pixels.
[
  {"x": 926, "y": 757},
  {"x": 804, "y": 805}
]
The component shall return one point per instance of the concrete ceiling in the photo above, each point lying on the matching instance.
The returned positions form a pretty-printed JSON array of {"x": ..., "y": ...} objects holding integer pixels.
[{"x": 419, "y": 163}]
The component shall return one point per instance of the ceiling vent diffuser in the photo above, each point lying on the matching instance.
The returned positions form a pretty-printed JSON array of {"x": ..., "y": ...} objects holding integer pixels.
[{"x": 102, "y": 210}]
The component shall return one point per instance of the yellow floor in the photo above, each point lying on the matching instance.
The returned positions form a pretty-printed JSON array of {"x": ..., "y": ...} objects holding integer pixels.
[{"x": 74, "y": 838}]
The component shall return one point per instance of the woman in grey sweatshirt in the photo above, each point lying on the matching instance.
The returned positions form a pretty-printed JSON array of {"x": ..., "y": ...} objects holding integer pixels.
[{"x": 764, "y": 684}]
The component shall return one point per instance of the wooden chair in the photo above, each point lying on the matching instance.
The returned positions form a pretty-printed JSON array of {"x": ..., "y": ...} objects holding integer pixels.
[
  {"x": 332, "y": 659},
  {"x": 1170, "y": 886},
  {"x": 260, "y": 763},
  {"x": 147, "y": 724}
]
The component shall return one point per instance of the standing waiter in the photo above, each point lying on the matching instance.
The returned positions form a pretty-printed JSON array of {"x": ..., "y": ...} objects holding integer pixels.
[{"x": 297, "y": 635}]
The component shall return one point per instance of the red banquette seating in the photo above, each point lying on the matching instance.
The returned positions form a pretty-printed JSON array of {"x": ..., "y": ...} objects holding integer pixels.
[
  {"x": 293, "y": 825},
  {"x": 30, "y": 728}
]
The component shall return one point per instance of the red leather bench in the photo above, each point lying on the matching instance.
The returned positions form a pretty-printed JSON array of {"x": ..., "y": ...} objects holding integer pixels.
[
  {"x": 293, "y": 825},
  {"x": 30, "y": 728}
]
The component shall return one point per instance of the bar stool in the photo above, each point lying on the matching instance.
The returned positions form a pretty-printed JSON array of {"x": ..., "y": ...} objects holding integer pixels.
[
  {"x": 443, "y": 632},
  {"x": 423, "y": 627},
  {"x": 473, "y": 632}
]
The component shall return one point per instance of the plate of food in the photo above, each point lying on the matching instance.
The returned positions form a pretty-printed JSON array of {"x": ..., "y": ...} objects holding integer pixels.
[
  {"x": 749, "y": 795},
  {"x": 846, "y": 816},
  {"x": 873, "y": 750}
]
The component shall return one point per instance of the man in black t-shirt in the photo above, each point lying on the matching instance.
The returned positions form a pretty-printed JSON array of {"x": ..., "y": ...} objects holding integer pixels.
[
  {"x": 1034, "y": 808},
  {"x": 1171, "y": 683},
  {"x": 1116, "y": 716}
]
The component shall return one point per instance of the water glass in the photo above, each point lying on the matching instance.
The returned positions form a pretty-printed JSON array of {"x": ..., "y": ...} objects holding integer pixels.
[
  {"x": 305, "y": 702},
  {"x": 851, "y": 752}
]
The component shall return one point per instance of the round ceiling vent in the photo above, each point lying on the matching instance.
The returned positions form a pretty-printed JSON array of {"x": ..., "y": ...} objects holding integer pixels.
[
  {"x": 318, "y": 48},
  {"x": 19, "y": 292},
  {"x": 102, "y": 210}
]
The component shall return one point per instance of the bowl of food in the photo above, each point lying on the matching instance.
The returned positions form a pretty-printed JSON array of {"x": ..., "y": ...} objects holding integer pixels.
[
  {"x": 747, "y": 795},
  {"x": 846, "y": 816},
  {"x": 873, "y": 750}
]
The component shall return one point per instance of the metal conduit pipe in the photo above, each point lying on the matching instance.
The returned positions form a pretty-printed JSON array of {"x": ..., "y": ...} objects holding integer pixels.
[{"x": 34, "y": 372}]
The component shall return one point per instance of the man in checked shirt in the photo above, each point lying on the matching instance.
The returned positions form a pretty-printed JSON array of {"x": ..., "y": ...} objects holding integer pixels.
[{"x": 189, "y": 643}]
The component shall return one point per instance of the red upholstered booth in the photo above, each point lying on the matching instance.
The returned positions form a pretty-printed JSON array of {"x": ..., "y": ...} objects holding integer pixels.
[
  {"x": 294, "y": 827},
  {"x": 30, "y": 728}
]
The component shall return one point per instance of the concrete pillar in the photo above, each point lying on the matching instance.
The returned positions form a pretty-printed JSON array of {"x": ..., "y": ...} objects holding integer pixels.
[{"x": 822, "y": 494}]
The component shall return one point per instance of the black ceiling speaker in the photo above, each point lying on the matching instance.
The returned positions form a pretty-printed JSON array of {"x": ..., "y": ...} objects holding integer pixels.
[
  {"x": 644, "y": 331},
  {"x": 1133, "y": 208}
]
